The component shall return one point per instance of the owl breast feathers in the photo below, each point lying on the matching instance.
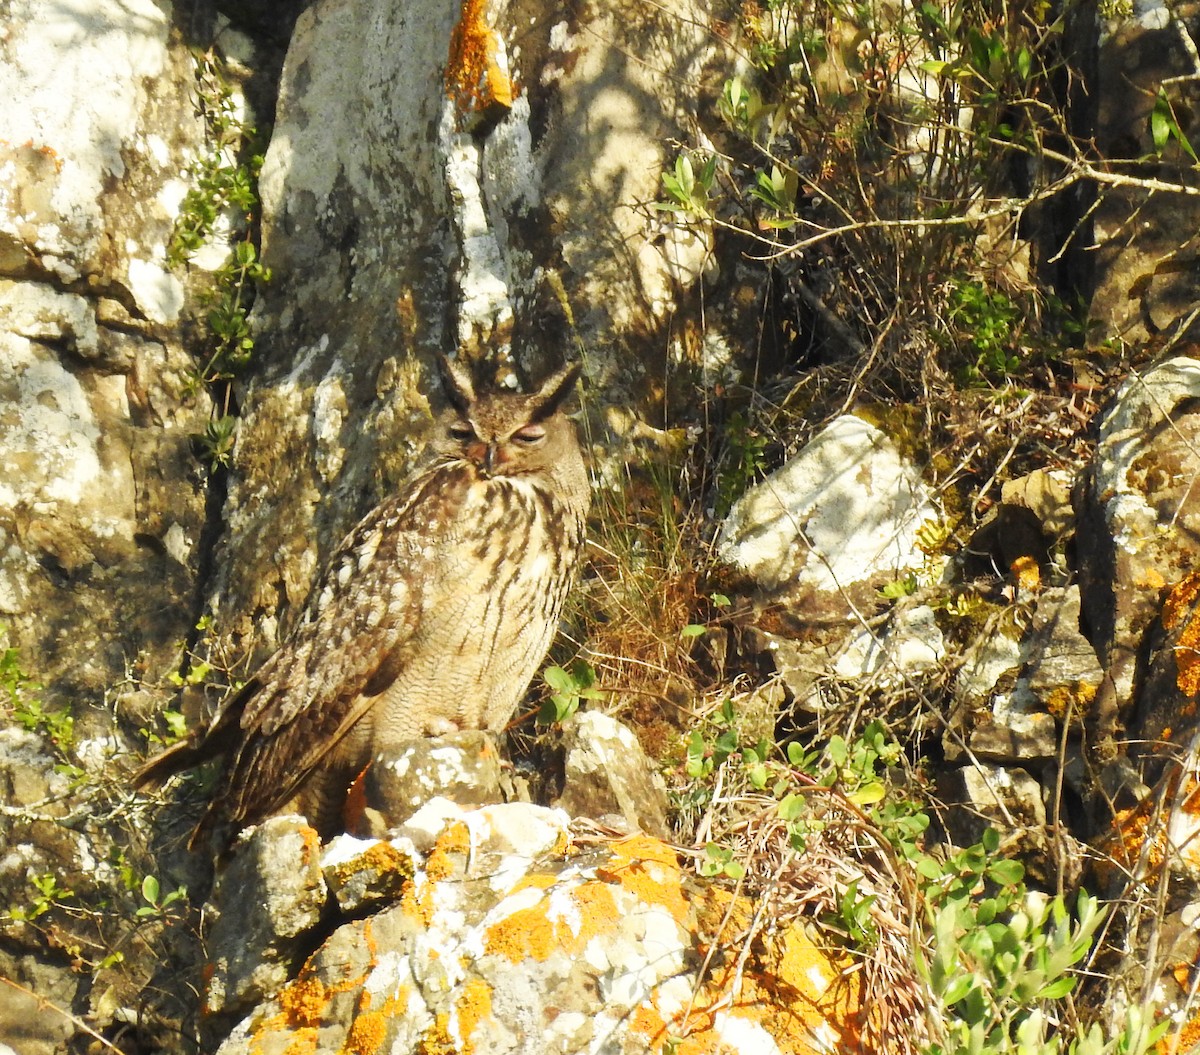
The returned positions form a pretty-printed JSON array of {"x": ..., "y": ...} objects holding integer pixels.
[{"x": 432, "y": 616}]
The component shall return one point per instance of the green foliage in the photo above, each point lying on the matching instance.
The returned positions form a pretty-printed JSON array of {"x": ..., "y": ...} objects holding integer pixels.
[
  {"x": 999, "y": 960},
  {"x": 719, "y": 861},
  {"x": 22, "y": 695},
  {"x": 742, "y": 462},
  {"x": 687, "y": 189},
  {"x": 224, "y": 184},
  {"x": 1164, "y": 127},
  {"x": 986, "y": 325},
  {"x": 226, "y": 178},
  {"x": 569, "y": 686},
  {"x": 156, "y": 902},
  {"x": 45, "y": 894}
]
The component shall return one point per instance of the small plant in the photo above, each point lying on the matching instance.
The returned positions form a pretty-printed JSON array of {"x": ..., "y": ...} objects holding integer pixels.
[
  {"x": 25, "y": 704},
  {"x": 986, "y": 323},
  {"x": 687, "y": 189},
  {"x": 156, "y": 902},
  {"x": 719, "y": 861},
  {"x": 46, "y": 893},
  {"x": 224, "y": 187},
  {"x": 742, "y": 463},
  {"x": 570, "y": 685}
]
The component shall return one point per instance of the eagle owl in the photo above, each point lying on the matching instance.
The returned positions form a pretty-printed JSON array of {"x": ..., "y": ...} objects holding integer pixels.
[{"x": 432, "y": 616}]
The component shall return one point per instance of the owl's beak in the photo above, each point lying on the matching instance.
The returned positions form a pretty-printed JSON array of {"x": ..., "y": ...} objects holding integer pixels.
[{"x": 489, "y": 458}]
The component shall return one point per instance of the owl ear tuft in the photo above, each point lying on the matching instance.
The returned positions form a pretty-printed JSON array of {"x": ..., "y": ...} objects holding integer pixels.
[
  {"x": 555, "y": 391},
  {"x": 456, "y": 382}
]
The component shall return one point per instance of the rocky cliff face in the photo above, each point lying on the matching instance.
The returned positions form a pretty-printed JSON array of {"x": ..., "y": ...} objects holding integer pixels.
[{"x": 485, "y": 177}]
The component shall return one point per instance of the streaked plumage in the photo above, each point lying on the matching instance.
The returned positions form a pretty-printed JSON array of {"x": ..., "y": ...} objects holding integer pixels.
[{"x": 432, "y": 615}]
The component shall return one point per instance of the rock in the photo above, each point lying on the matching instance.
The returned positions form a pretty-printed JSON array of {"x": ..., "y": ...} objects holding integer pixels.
[
  {"x": 1055, "y": 676},
  {"x": 1046, "y": 493},
  {"x": 1061, "y": 673},
  {"x": 269, "y": 895},
  {"x": 96, "y": 472},
  {"x": 842, "y": 515},
  {"x": 361, "y": 873},
  {"x": 910, "y": 641},
  {"x": 596, "y": 947},
  {"x": 609, "y": 778},
  {"x": 463, "y": 767},
  {"x": 1142, "y": 287},
  {"x": 986, "y": 796},
  {"x": 1139, "y": 512},
  {"x": 992, "y": 654}
]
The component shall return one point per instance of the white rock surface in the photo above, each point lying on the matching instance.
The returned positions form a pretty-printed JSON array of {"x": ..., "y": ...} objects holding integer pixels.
[
  {"x": 911, "y": 642},
  {"x": 844, "y": 510}
]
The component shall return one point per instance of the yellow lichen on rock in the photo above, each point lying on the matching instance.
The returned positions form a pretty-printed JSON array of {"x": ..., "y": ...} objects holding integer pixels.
[
  {"x": 1179, "y": 606},
  {"x": 474, "y": 1005},
  {"x": 649, "y": 869},
  {"x": 367, "y": 1033},
  {"x": 304, "y": 1001},
  {"x": 1074, "y": 699},
  {"x": 792, "y": 990},
  {"x": 476, "y": 76}
]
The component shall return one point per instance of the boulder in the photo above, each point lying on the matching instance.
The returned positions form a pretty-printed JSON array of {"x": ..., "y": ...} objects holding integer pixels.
[
  {"x": 505, "y": 940},
  {"x": 1139, "y": 513},
  {"x": 609, "y": 778},
  {"x": 831, "y": 526},
  {"x": 269, "y": 895}
]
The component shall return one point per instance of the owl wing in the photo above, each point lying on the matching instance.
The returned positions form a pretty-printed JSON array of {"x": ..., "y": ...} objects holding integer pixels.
[{"x": 355, "y": 637}]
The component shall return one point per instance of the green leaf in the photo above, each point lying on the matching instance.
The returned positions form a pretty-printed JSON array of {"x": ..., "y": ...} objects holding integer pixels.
[
  {"x": 791, "y": 807},
  {"x": 558, "y": 679},
  {"x": 867, "y": 794},
  {"x": 1006, "y": 872},
  {"x": 693, "y": 630},
  {"x": 150, "y": 889}
]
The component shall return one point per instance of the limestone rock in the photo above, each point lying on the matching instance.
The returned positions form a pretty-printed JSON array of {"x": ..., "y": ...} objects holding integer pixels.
[
  {"x": 1139, "y": 511},
  {"x": 463, "y": 767},
  {"x": 989, "y": 796},
  {"x": 1047, "y": 494},
  {"x": 842, "y": 515},
  {"x": 1053, "y": 675},
  {"x": 594, "y": 947},
  {"x": 364, "y": 872},
  {"x": 97, "y": 481},
  {"x": 269, "y": 895},
  {"x": 1061, "y": 673},
  {"x": 608, "y": 775},
  {"x": 911, "y": 641}
]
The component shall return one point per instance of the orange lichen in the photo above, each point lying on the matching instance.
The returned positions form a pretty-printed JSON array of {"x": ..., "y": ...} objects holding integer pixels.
[
  {"x": 527, "y": 932},
  {"x": 475, "y": 78},
  {"x": 798, "y": 993},
  {"x": 1075, "y": 699},
  {"x": 1178, "y": 607},
  {"x": 1137, "y": 841},
  {"x": 437, "y": 1039},
  {"x": 1181, "y": 1040},
  {"x": 453, "y": 843},
  {"x": 474, "y": 1005},
  {"x": 1026, "y": 574},
  {"x": 649, "y": 868},
  {"x": 304, "y": 1001},
  {"x": 366, "y": 1034}
]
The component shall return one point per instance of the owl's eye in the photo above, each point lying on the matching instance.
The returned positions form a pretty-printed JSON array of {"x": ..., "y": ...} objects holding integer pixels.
[
  {"x": 529, "y": 434},
  {"x": 461, "y": 432}
]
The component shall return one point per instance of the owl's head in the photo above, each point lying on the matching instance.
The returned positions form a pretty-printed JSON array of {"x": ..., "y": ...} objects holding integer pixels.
[{"x": 508, "y": 433}]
